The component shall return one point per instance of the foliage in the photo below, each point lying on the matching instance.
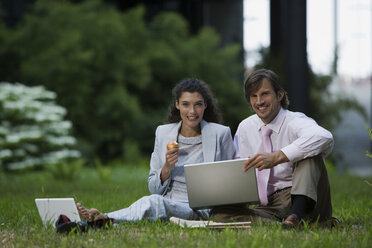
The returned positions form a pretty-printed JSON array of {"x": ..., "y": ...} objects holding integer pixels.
[
  {"x": 103, "y": 172},
  {"x": 369, "y": 130},
  {"x": 66, "y": 170},
  {"x": 33, "y": 131},
  {"x": 324, "y": 108},
  {"x": 327, "y": 109},
  {"x": 131, "y": 152},
  {"x": 114, "y": 72},
  {"x": 20, "y": 224}
]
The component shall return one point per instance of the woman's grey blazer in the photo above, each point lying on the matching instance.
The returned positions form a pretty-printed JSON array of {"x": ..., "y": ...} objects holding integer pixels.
[{"x": 217, "y": 145}]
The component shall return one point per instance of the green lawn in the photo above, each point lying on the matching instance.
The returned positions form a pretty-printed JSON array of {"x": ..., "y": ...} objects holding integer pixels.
[{"x": 20, "y": 225}]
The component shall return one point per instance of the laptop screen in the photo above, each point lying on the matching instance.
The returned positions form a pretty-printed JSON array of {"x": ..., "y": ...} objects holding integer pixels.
[{"x": 51, "y": 208}]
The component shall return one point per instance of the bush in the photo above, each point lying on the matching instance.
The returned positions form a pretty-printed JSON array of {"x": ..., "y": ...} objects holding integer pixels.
[{"x": 33, "y": 131}]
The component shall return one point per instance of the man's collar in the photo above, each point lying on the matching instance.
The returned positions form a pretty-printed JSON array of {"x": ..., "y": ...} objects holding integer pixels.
[{"x": 275, "y": 124}]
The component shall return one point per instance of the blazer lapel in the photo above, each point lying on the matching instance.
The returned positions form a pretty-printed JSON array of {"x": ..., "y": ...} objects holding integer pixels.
[
  {"x": 173, "y": 133},
  {"x": 208, "y": 141}
]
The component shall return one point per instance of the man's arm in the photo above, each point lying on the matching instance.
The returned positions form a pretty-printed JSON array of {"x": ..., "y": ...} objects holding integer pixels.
[{"x": 309, "y": 140}]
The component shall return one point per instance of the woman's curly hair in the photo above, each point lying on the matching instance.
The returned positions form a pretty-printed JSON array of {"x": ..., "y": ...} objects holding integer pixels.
[{"x": 211, "y": 113}]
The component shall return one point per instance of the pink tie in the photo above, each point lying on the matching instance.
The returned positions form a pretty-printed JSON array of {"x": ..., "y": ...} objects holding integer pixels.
[{"x": 263, "y": 176}]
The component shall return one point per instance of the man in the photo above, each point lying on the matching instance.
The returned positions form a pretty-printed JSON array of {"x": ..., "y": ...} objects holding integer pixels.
[{"x": 289, "y": 161}]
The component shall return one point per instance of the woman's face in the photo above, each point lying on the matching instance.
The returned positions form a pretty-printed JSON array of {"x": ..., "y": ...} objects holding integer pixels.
[{"x": 191, "y": 106}]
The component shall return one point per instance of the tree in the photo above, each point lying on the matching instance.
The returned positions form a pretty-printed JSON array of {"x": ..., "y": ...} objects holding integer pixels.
[{"x": 114, "y": 72}]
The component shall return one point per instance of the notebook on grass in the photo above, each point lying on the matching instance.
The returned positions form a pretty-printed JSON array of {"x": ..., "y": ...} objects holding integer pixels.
[
  {"x": 210, "y": 224},
  {"x": 51, "y": 208},
  {"x": 220, "y": 183}
]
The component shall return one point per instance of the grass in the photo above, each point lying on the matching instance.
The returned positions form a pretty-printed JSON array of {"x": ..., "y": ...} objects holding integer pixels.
[{"x": 20, "y": 225}]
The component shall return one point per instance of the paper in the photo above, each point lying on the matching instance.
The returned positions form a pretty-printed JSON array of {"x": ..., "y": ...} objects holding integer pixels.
[{"x": 209, "y": 224}]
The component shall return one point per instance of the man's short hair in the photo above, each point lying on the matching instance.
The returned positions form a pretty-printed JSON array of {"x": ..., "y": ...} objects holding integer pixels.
[{"x": 253, "y": 83}]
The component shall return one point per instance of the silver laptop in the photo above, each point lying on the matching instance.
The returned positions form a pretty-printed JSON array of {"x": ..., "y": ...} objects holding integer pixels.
[
  {"x": 50, "y": 209},
  {"x": 220, "y": 183}
]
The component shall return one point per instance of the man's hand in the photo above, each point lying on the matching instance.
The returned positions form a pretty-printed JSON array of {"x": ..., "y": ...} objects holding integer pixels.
[{"x": 262, "y": 161}]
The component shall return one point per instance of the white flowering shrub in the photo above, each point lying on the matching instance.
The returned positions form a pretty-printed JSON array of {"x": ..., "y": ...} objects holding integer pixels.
[{"x": 33, "y": 131}]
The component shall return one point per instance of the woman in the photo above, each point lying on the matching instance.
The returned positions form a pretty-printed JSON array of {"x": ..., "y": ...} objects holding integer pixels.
[{"x": 193, "y": 124}]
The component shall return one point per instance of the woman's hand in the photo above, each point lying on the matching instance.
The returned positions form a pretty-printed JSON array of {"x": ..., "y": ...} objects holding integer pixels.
[{"x": 171, "y": 158}]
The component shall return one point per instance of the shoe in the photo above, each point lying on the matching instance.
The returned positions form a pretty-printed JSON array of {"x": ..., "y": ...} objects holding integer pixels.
[
  {"x": 291, "y": 222},
  {"x": 331, "y": 223},
  {"x": 334, "y": 222},
  {"x": 65, "y": 225}
]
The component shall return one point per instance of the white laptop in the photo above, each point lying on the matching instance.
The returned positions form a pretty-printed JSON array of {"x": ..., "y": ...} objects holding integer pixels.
[
  {"x": 50, "y": 209},
  {"x": 220, "y": 183}
]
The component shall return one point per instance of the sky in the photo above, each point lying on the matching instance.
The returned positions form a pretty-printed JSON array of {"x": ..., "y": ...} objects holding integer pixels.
[{"x": 354, "y": 28}]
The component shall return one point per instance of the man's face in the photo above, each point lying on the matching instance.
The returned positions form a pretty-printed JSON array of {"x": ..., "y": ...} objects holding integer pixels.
[{"x": 265, "y": 102}]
